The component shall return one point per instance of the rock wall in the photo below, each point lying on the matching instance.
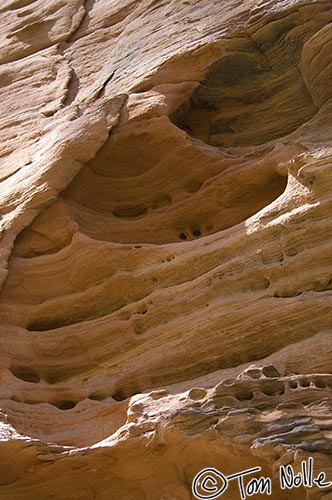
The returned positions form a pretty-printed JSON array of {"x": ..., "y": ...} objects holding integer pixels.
[{"x": 165, "y": 263}]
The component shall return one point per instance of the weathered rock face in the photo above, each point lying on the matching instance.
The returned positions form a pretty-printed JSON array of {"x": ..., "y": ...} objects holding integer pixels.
[{"x": 166, "y": 276}]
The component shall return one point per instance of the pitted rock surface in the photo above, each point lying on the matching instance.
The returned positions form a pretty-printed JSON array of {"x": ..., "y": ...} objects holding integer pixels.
[{"x": 165, "y": 262}]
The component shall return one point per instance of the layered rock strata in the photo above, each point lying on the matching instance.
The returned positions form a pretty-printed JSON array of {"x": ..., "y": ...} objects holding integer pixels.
[{"x": 166, "y": 274}]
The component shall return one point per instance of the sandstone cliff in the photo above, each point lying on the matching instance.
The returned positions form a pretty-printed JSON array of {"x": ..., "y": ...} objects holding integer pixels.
[{"x": 165, "y": 263}]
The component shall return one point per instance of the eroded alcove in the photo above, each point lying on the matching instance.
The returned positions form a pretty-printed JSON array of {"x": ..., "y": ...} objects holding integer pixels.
[{"x": 255, "y": 92}]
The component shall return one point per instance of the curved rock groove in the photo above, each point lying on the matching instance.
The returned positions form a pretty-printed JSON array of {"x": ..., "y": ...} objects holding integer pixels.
[{"x": 165, "y": 256}]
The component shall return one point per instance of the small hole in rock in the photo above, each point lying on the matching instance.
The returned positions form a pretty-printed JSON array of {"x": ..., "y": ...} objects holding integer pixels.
[
  {"x": 139, "y": 329},
  {"x": 291, "y": 252},
  {"x": 119, "y": 395},
  {"x": 65, "y": 405},
  {"x": 244, "y": 396},
  {"x": 197, "y": 393},
  {"x": 270, "y": 371},
  {"x": 320, "y": 384},
  {"x": 182, "y": 236},
  {"x": 254, "y": 373},
  {"x": 260, "y": 284},
  {"x": 25, "y": 373},
  {"x": 196, "y": 233},
  {"x": 43, "y": 326}
]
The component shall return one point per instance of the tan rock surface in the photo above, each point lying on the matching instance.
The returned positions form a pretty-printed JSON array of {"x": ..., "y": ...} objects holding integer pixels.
[{"x": 166, "y": 277}]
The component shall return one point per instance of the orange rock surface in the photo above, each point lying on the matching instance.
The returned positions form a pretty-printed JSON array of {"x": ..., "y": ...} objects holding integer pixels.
[{"x": 165, "y": 261}]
